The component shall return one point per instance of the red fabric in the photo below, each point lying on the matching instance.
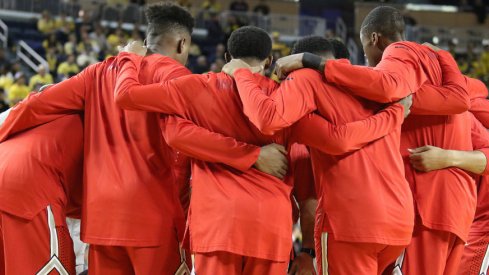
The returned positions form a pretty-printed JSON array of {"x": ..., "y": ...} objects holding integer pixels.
[
  {"x": 257, "y": 205},
  {"x": 480, "y": 108},
  {"x": 301, "y": 174},
  {"x": 117, "y": 260},
  {"x": 43, "y": 166},
  {"x": 474, "y": 253},
  {"x": 445, "y": 199},
  {"x": 347, "y": 190},
  {"x": 345, "y": 258},
  {"x": 432, "y": 252},
  {"x": 26, "y": 244},
  {"x": 131, "y": 197},
  {"x": 228, "y": 263}
]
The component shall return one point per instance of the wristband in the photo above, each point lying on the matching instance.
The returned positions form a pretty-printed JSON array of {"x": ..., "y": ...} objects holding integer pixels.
[
  {"x": 311, "y": 61},
  {"x": 309, "y": 251}
]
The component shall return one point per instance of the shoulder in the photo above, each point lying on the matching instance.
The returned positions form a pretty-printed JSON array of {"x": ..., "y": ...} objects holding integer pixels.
[{"x": 305, "y": 76}]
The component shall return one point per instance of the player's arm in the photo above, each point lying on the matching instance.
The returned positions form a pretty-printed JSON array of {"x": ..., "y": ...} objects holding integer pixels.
[
  {"x": 429, "y": 158},
  {"x": 290, "y": 102},
  {"x": 304, "y": 193},
  {"x": 317, "y": 132},
  {"x": 479, "y": 107},
  {"x": 66, "y": 97},
  {"x": 167, "y": 97},
  {"x": 396, "y": 76},
  {"x": 453, "y": 97}
]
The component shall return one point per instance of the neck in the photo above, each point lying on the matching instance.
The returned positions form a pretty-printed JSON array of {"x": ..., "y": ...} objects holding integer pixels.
[{"x": 252, "y": 61}]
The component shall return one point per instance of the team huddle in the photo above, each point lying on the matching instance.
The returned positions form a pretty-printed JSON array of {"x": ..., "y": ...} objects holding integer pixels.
[{"x": 382, "y": 165}]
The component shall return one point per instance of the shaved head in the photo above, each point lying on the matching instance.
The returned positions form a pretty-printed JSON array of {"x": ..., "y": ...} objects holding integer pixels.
[{"x": 386, "y": 21}]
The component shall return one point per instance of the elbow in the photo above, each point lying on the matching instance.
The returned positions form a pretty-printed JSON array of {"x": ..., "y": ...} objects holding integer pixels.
[{"x": 122, "y": 100}]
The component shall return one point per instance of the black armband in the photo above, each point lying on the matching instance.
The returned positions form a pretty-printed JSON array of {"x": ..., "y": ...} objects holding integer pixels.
[{"x": 312, "y": 61}]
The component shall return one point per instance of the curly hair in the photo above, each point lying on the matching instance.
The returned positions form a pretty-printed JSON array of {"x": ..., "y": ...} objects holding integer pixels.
[
  {"x": 313, "y": 44},
  {"x": 248, "y": 42}
]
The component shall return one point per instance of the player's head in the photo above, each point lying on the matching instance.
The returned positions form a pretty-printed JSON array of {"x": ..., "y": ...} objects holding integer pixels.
[
  {"x": 381, "y": 27},
  {"x": 169, "y": 30},
  {"x": 339, "y": 48},
  {"x": 314, "y": 44},
  {"x": 251, "y": 44}
]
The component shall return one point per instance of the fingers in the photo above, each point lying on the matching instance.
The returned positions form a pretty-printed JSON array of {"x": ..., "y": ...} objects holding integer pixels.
[
  {"x": 293, "y": 269},
  {"x": 419, "y": 149},
  {"x": 280, "y": 148}
]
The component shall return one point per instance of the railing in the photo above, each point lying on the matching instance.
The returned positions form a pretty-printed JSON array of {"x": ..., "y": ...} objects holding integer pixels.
[
  {"x": 285, "y": 24},
  {"x": 30, "y": 57},
  {"x": 3, "y": 33}
]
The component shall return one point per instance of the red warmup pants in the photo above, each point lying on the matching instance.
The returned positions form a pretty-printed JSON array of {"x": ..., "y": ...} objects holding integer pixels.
[
  {"x": 432, "y": 252},
  {"x": 225, "y": 263},
  {"x": 120, "y": 260},
  {"x": 39, "y": 246},
  {"x": 475, "y": 258},
  {"x": 346, "y": 258}
]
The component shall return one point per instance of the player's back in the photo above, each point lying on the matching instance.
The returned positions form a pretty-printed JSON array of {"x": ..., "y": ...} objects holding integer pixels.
[
  {"x": 43, "y": 166},
  {"x": 247, "y": 213},
  {"x": 440, "y": 187},
  {"x": 130, "y": 194},
  {"x": 364, "y": 193}
]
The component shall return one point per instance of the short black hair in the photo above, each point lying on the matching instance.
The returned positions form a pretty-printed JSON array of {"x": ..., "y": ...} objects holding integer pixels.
[
  {"x": 166, "y": 17},
  {"x": 385, "y": 20},
  {"x": 339, "y": 48},
  {"x": 250, "y": 41},
  {"x": 313, "y": 44}
]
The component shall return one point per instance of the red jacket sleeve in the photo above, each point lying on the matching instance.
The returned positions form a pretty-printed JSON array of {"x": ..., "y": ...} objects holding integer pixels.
[
  {"x": 200, "y": 143},
  {"x": 66, "y": 97},
  {"x": 300, "y": 163},
  {"x": 168, "y": 97},
  {"x": 289, "y": 103},
  {"x": 396, "y": 76},
  {"x": 477, "y": 88},
  {"x": 479, "y": 107},
  {"x": 320, "y": 134},
  {"x": 480, "y": 140},
  {"x": 452, "y": 98}
]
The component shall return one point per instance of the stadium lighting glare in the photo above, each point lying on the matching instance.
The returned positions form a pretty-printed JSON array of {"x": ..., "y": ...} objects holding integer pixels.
[
  {"x": 436, "y": 40},
  {"x": 425, "y": 7}
]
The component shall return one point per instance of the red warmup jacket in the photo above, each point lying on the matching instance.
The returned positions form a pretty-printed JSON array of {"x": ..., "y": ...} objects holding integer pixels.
[
  {"x": 43, "y": 166},
  {"x": 480, "y": 109},
  {"x": 247, "y": 213},
  {"x": 130, "y": 177},
  {"x": 445, "y": 199}
]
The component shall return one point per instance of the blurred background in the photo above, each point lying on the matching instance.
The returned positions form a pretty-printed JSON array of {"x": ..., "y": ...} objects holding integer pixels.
[{"x": 45, "y": 41}]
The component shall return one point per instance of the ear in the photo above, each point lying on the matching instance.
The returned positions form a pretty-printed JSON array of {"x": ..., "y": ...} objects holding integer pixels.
[
  {"x": 374, "y": 38},
  {"x": 227, "y": 57},
  {"x": 268, "y": 62},
  {"x": 182, "y": 43}
]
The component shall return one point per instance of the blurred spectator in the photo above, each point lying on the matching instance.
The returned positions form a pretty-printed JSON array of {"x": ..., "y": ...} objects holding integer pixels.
[
  {"x": 202, "y": 66},
  {"x": 70, "y": 46},
  {"x": 262, "y": 8},
  {"x": 64, "y": 23},
  {"x": 19, "y": 90},
  {"x": 135, "y": 35},
  {"x": 194, "y": 50},
  {"x": 68, "y": 67},
  {"x": 6, "y": 77},
  {"x": 3, "y": 104},
  {"x": 52, "y": 59},
  {"x": 279, "y": 47},
  {"x": 218, "y": 54},
  {"x": 232, "y": 24},
  {"x": 117, "y": 38},
  {"x": 99, "y": 35},
  {"x": 41, "y": 78},
  {"x": 46, "y": 24},
  {"x": 214, "y": 29},
  {"x": 86, "y": 58},
  {"x": 86, "y": 22},
  {"x": 52, "y": 42},
  {"x": 211, "y": 6},
  {"x": 239, "y": 5},
  {"x": 87, "y": 44},
  {"x": 216, "y": 67}
]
